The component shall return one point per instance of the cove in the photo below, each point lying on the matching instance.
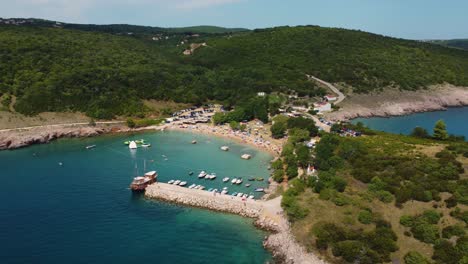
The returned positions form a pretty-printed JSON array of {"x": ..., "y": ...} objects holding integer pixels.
[
  {"x": 83, "y": 212},
  {"x": 456, "y": 120}
]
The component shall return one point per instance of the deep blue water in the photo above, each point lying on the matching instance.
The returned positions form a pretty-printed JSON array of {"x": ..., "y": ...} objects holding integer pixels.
[
  {"x": 456, "y": 120},
  {"x": 83, "y": 212}
]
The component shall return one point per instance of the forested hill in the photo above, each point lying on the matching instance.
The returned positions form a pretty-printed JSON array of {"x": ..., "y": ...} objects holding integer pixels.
[
  {"x": 366, "y": 61},
  {"x": 454, "y": 43},
  {"x": 102, "y": 74}
]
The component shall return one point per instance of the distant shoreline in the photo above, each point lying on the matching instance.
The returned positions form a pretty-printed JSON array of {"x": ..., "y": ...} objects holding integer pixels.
[{"x": 397, "y": 103}]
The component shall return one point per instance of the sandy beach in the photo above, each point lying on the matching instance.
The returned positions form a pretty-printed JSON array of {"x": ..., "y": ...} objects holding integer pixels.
[{"x": 262, "y": 141}]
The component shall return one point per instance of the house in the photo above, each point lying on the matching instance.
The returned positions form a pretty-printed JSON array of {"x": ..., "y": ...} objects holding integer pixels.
[
  {"x": 330, "y": 97},
  {"x": 187, "y": 52},
  {"x": 322, "y": 107},
  {"x": 261, "y": 94}
]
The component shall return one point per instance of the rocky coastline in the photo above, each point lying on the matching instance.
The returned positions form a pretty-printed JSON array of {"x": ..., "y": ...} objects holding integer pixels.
[
  {"x": 398, "y": 103},
  {"x": 13, "y": 139}
]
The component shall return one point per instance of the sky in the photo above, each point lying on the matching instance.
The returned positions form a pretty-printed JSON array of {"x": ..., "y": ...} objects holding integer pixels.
[{"x": 411, "y": 19}]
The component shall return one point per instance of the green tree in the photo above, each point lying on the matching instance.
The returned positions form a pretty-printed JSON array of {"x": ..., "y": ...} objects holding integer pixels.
[
  {"x": 420, "y": 132},
  {"x": 278, "y": 129},
  {"x": 131, "y": 123},
  {"x": 440, "y": 130}
]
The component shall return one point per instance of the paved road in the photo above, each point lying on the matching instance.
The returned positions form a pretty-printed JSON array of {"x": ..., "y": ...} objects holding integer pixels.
[
  {"x": 325, "y": 127},
  {"x": 61, "y": 125},
  {"x": 341, "y": 96}
]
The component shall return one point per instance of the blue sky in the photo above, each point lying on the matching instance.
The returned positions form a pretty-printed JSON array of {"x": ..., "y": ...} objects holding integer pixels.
[{"x": 412, "y": 19}]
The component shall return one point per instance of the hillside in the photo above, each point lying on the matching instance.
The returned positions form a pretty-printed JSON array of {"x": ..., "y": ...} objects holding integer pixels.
[
  {"x": 366, "y": 61},
  {"x": 454, "y": 43},
  {"x": 103, "y": 72}
]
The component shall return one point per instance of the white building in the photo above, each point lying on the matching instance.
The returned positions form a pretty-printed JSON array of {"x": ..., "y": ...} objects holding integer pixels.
[
  {"x": 330, "y": 97},
  {"x": 322, "y": 107}
]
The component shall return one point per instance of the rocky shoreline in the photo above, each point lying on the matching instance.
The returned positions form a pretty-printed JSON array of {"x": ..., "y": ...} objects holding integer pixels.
[
  {"x": 397, "y": 103},
  {"x": 14, "y": 139}
]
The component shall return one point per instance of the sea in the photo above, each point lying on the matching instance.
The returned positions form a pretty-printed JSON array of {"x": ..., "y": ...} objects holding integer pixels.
[
  {"x": 456, "y": 119},
  {"x": 63, "y": 203}
]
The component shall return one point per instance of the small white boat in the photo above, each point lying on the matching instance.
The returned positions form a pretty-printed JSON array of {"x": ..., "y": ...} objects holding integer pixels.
[
  {"x": 226, "y": 179},
  {"x": 194, "y": 141},
  {"x": 90, "y": 147},
  {"x": 202, "y": 174},
  {"x": 208, "y": 176},
  {"x": 225, "y": 188},
  {"x": 132, "y": 145},
  {"x": 239, "y": 181},
  {"x": 251, "y": 197},
  {"x": 246, "y": 156},
  {"x": 171, "y": 181},
  {"x": 197, "y": 187},
  {"x": 245, "y": 195},
  {"x": 183, "y": 183},
  {"x": 234, "y": 181},
  {"x": 213, "y": 176},
  {"x": 224, "y": 192},
  {"x": 176, "y": 182},
  {"x": 202, "y": 188},
  {"x": 146, "y": 145},
  {"x": 192, "y": 186},
  {"x": 224, "y": 148},
  {"x": 240, "y": 194},
  {"x": 259, "y": 190}
]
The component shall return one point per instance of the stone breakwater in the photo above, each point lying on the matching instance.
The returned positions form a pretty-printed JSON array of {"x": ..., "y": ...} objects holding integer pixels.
[
  {"x": 204, "y": 199},
  {"x": 269, "y": 216}
]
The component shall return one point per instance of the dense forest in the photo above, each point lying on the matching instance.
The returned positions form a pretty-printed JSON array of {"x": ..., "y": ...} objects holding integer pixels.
[
  {"x": 98, "y": 70},
  {"x": 454, "y": 43}
]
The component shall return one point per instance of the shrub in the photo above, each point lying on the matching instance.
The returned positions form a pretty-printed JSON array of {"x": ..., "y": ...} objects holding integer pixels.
[
  {"x": 365, "y": 217},
  {"x": 131, "y": 123},
  {"x": 407, "y": 221},
  {"x": 425, "y": 232},
  {"x": 350, "y": 250},
  {"x": 384, "y": 196},
  {"x": 454, "y": 230},
  {"x": 414, "y": 257}
]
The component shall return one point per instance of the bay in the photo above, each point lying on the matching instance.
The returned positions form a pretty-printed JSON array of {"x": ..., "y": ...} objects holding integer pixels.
[
  {"x": 83, "y": 212},
  {"x": 456, "y": 120}
]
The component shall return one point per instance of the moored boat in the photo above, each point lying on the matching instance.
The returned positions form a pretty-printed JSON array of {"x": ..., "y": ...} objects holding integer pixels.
[
  {"x": 132, "y": 145},
  {"x": 234, "y": 181},
  {"x": 140, "y": 183},
  {"x": 259, "y": 190},
  {"x": 259, "y": 179},
  {"x": 146, "y": 145},
  {"x": 171, "y": 181},
  {"x": 177, "y": 182},
  {"x": 183, "y": 183},
  {"x": 192, "y": 186},
  {"x": 90, "y": 147},
  {"x": 248, "y": 185},
  {"x": 224, "y": 148},
  {"x": 202, "y": 174},
  {"x": 226, "y": 179}
]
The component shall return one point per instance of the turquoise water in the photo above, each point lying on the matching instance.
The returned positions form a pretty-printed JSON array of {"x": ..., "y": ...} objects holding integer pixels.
[
  {"x": 455, "y": 118},
  {"x": 83, "y": 212}
]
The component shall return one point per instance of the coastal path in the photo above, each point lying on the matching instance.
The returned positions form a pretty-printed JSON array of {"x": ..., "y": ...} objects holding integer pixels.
[{"x": 60, "y": 125}]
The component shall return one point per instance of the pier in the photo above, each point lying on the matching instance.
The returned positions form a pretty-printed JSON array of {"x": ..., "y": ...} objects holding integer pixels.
[
  {"x": 204, "y": 199},
  {"x": 268, "y": 214}
]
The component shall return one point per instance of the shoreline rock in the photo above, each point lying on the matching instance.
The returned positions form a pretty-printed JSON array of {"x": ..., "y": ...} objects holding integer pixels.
[
  {"x": 397, "y": 103},
  {"x": 19, "y": 139}
]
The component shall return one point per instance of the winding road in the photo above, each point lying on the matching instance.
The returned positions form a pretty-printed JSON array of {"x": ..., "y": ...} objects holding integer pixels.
[{"x": 341, "y": 96}]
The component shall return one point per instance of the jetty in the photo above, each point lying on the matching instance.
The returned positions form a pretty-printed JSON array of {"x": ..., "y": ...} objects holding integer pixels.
[
  {"x": 204, "y": 199},
  {"x": 268, "y": 214}
]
